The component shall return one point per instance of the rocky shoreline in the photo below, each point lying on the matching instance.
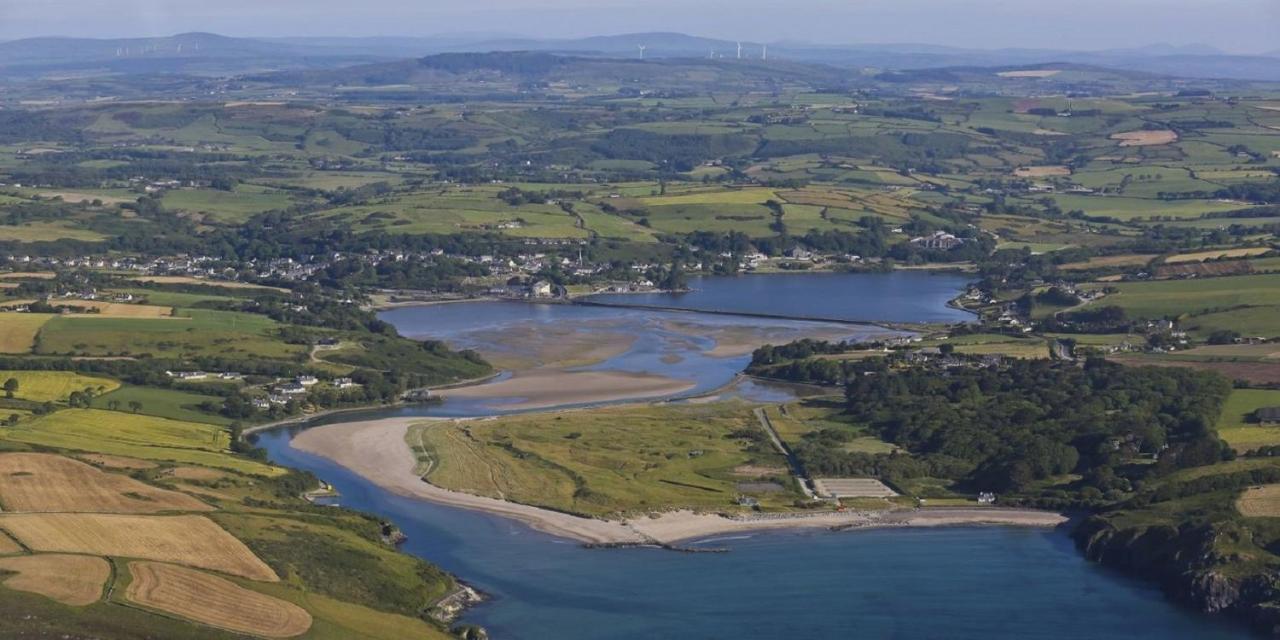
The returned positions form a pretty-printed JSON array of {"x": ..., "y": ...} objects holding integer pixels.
[{"x": 1188, "y": 568}]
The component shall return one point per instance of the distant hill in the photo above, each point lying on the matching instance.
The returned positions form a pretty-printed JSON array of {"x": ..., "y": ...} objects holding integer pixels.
[
  {"x": 531, "y": 72},
  {"x": 657, "y": 45},
  {"x": 1188, "y": 60},
  {"x": 189, "y": 53},
  {"x": 206, "y": 54}
]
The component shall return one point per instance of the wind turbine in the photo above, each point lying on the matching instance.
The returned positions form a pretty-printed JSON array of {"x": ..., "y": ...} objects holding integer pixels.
[
  {"x": 641, "y": 47},
  {"x": 764, "y": 52},
  {"x": 739, "y": 50}
]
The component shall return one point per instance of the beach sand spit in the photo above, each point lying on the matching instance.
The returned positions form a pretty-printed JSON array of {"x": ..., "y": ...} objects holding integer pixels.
[{"x": 377, "y": 450}]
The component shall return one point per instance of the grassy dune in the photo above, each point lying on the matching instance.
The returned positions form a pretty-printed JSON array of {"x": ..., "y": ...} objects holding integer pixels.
[{"x": 601, "y": 461}]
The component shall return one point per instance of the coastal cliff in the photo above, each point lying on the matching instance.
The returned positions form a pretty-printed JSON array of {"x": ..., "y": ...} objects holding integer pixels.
[{"x": 1207, "y": 566}]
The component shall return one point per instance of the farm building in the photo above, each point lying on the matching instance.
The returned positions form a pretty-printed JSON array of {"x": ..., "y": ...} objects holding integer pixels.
[
  {"x": 1268, "y": 415},
  {"x": 939, "y": 240}
]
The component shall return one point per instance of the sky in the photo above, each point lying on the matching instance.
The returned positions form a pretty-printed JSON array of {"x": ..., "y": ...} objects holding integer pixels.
[{"x": 1237, "y": 26}]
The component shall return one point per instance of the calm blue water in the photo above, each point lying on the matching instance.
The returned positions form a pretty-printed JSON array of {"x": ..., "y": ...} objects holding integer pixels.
[
  {"x": 940, "y": 583},
  {"x": 900, "y": 296}
]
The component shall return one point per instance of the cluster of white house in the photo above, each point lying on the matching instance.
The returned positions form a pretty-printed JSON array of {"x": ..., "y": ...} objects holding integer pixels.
[{"x": 278, "y": 394}]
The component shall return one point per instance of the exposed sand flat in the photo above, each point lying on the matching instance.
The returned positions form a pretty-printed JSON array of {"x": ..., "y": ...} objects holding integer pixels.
[
  {"x": 377, "y": 450},
  {"x": 527, "y": 347},
  {"x": 738, "y": 340},
  {"x": 542, "y": 388}
]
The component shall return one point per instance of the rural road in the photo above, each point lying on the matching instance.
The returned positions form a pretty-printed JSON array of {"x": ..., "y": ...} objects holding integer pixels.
[{"x": 785, "y": 450}]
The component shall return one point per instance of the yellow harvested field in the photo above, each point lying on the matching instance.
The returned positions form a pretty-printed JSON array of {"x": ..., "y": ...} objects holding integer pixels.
[
  {"x": 214, "y": 601},
  {"x": 1042, "y": 172},
  {"x": 1260, "y": 502},
  {"x": 116, "y": 462},
  {"x": 49, "y": 483},
  {"x": 75, "y": 196},
  {"x": 1099, "y": 262},
  {"x": 117, "y": 309},
  {"x": 18, "y": 331},
  {"x": 751, "y": 195},
  {"x": 73, "y": 580},
  {"x": 187, "y": 540},
  {"x": 195, "y": 473},
  {"x": 55, "y": 386},
  {"x": 209, "y": 283},
  {"x": 28, "y": 275},
  {"x": 1145, "y": 138},
  {"x": 1029, "y": 73},
  {"x": 1201, "y": 256},
  {"x": 8, "y": 546}
]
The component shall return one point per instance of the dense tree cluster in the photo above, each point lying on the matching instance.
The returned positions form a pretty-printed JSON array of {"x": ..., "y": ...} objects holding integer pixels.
[{"x": 1003, "y": 428}]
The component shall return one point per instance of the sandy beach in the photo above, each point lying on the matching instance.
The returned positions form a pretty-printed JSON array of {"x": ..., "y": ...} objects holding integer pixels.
[
  {"x": 543, "y": 388},
  {"x": 377, "y": 450}
]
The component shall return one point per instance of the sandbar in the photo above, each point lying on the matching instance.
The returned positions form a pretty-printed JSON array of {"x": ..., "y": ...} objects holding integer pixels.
[{"x": 543, "y": 388}]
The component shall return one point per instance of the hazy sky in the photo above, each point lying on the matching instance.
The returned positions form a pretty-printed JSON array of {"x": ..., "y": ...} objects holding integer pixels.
[{"x": 1234, "y": 25}]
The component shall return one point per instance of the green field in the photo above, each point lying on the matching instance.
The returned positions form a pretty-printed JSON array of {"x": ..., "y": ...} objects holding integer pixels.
[
  {"x": 194, "y": 332},
  {"x": 1178, "y": 297},
  {"x": 162, "y": 403},
  {"x": 456, "y": 210},
  {"x": 134, "y": 436},
  {"x": 980, "y": 344},
  {"x": 1236, "y": 426},
  {"x": 228, "y": 206},
  {"x": 45, "y": 232},
  {"x": 1252, "y": 321},
  {"x": 1123, "y": 208}
]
